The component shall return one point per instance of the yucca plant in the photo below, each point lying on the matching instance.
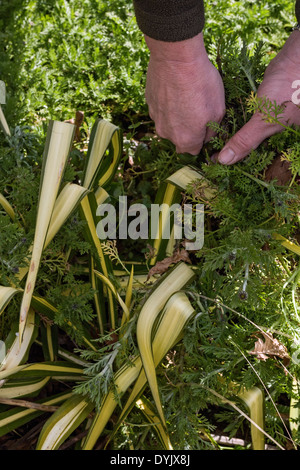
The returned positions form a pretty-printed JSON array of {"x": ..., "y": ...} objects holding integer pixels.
[{"x": 139, "y": 318}]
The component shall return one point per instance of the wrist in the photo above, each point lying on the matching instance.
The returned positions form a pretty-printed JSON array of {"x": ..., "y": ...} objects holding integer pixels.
[
  {"x": 292, "y": 47},
  {"x": 186, "y": 52}
]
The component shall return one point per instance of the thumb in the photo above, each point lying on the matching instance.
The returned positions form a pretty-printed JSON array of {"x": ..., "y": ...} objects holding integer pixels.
[{"x": 248, "y": 138}]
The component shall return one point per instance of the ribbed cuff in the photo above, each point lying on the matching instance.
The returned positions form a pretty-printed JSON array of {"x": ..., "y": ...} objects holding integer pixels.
[{"x": 170, "y": 20}]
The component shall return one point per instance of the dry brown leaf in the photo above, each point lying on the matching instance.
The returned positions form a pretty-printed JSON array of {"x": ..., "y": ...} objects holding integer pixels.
[
  {"x": 269, "y": 348},
  {"x": 162, "y": 266},
  {"x": 279, "y": 170},
  {"x": 151, "y": 253}
]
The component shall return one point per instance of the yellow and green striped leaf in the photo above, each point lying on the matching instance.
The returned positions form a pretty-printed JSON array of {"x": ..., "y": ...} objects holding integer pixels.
[
  {"x": 63, "y": 422},
  {"x": 103, "y": 156},
  {"x": 254, "y": 399},
  {"x": 65, "y": 204},
  {"x": 6, "y": 294},
  {"x": 169, "y": 285},
  {"x": 57, "y": 148},
  {"x": 294, "y": 413},
  {"x": 114, "y": 290},
  {"x": 17, "y": 389},
  {"x": 17, "y": 353},
  {"x": 16, "y": 416},
  {"x": 169, "y": 193},
  {"x": 177, "y": 312},
  {"x": 146, "y": 407},
  {"x": 187, "y": 175},
  {"x": 44, "y": 369},
  {"x": 88, "y": 209},
  {"x": 7, "y": 207}
]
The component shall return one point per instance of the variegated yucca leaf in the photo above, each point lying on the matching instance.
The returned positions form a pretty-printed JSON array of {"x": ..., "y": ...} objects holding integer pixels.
[
  {"x": 99, "y": 300},
  {"x": 169, "y": 285},
  {"x": 88, "y": 209},
  {"x": 6, "y": 294},
  {"x": 23, "y": 388},
  {"x": 63, "y": 422},
  {"x": 123, "y": 379},
  {"x": 44, "y": 369},
  {"x": 129, "y": 289},
  {"x": 254, "y": 399},
  {"x": 57, "y": 148},
  {"x": 104, "y": 153},
  {"x": 65, "y": 204},
  {"x": 16, "y": 416},
  {"x": 186, "y": 175},
  {"x": 17, "y": 353},
  {"x": 287, "y": 243},
  {"x": 101, "y": 195},
  {"x": 176, "y": 313},
  {"x": 169, "y": 330},
  {"x": 148, "y": 410},
  {"x": 7, "y": 207},
  {"x": 49, "y": 340},
  {"x": 169, "y": 193},
  {"x": 114, "y": 290},
  {"x": 294, "y": 413}
]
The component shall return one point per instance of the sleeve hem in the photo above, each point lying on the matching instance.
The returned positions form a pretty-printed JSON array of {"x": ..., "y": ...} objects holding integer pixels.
[
  {"x": 298, "y": 10},
  {"x": 171, "y": 28}
]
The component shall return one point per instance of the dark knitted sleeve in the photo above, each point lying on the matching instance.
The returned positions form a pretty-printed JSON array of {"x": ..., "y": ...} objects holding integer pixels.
[
  {"x": 170, "y": 20},
  {"x": 174, "y": 20}
]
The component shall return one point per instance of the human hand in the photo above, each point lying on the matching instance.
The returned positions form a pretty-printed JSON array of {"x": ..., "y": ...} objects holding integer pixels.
[
  {"x": 278, "y": 85},
  {"x": 184, "y": 92}
]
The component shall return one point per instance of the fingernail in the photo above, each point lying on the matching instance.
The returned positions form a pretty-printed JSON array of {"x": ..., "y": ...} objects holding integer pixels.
[{"x": 226, "y": 156}]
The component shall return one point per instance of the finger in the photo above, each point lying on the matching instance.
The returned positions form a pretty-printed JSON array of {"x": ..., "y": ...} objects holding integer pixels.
[
  {"x": 247, "y": 139},
  {"x": 192, "y": 150},
  {"x": 184, "y": 141}
]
